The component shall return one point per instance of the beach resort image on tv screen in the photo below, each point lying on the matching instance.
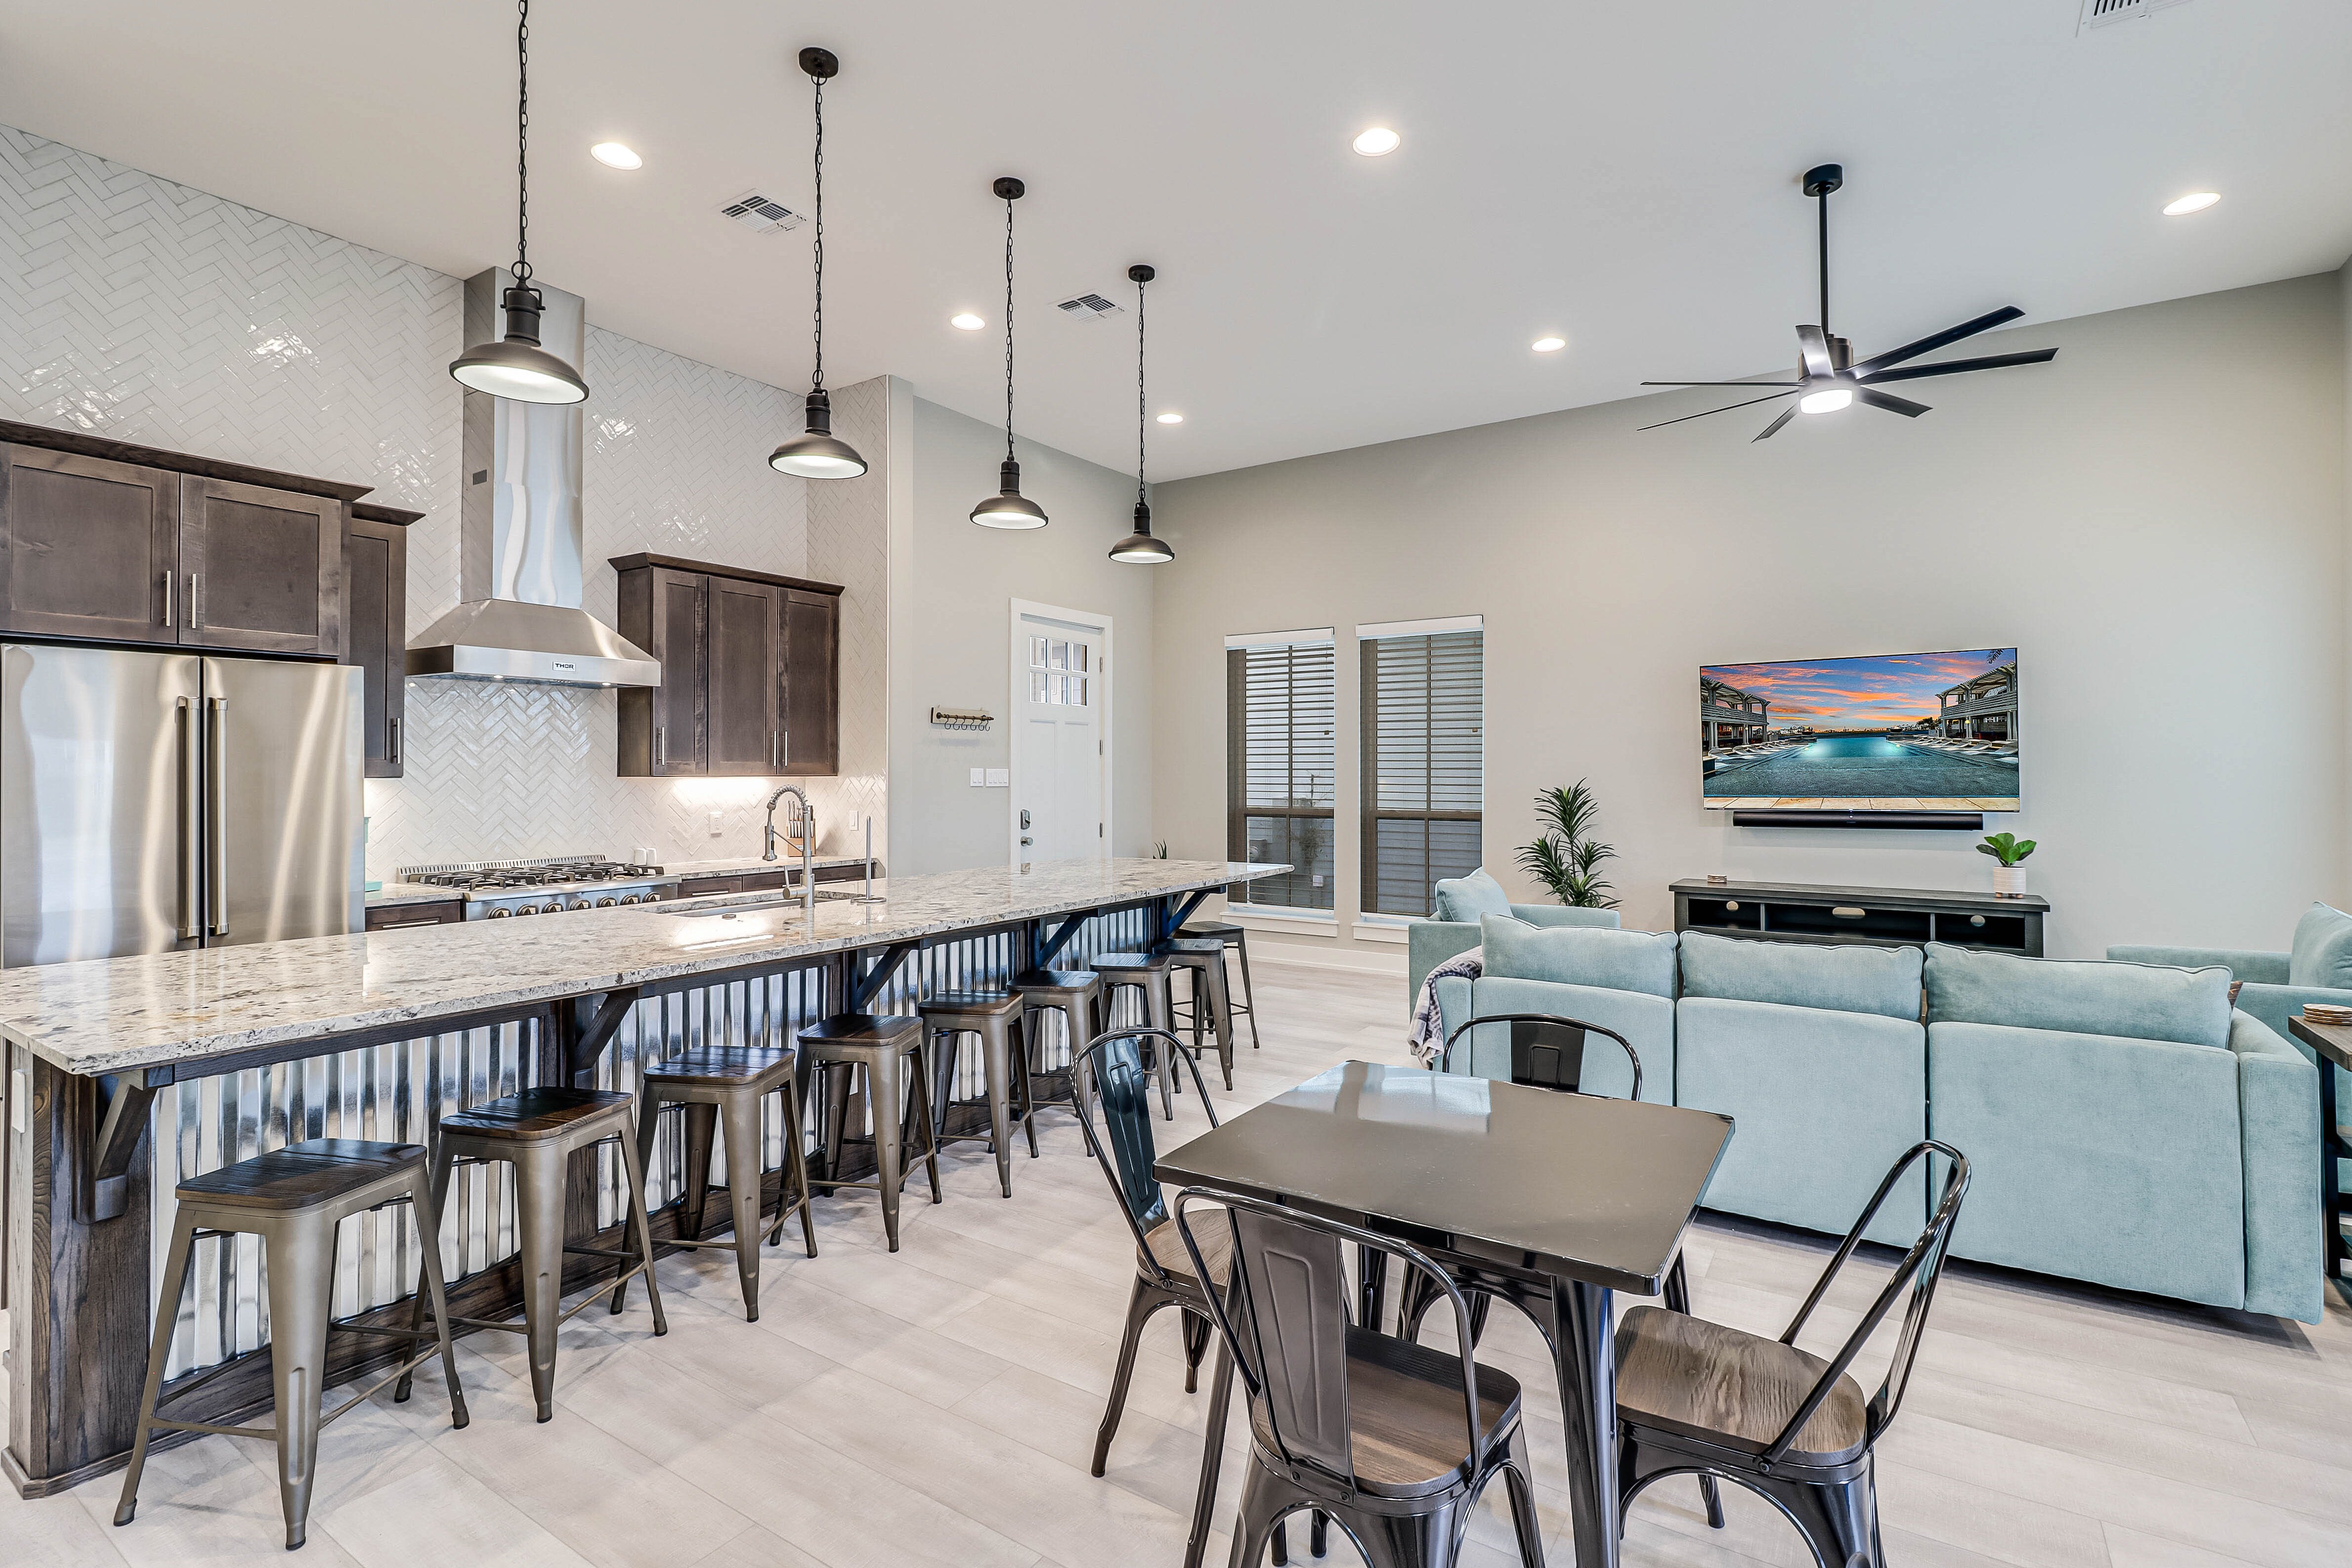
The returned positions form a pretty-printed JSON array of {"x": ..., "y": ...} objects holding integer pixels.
[{"x": 1894, "y": 732}]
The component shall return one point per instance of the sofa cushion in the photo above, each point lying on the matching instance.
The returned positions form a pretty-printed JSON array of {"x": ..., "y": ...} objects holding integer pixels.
[
  {"x": 1578, "y": 956},
  {"x": 1468, "y": 897},
  {"x": 1647, "y": 1022},
  {"x": 2131, "y": 1001},
  {"x": 2322, "y": 949},
  {"x": 1884, "y": 980}
]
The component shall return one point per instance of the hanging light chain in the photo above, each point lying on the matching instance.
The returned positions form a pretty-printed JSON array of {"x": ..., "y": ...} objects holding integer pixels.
[
  {"x": 817, "y": 383},
  {"x": 522, "y": 145},
  {"x": 1008, "y": 329},
  {"x": 1139, "y": 389}
]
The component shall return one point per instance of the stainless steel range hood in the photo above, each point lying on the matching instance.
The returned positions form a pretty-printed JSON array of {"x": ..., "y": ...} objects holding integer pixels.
[{"x": 520, "y": 565}]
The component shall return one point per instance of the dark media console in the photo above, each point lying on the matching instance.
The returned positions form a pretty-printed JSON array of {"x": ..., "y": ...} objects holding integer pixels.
[{"x": 1877, "y": 916}]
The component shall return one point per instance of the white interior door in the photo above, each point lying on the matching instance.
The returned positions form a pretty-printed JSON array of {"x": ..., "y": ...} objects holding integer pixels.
[{"x": 1061, "y": 689}]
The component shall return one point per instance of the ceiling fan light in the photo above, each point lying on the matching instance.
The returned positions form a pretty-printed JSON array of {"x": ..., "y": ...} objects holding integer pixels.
[
  {"x": 817, "y": 453},
  {"x": 1010, "y": 509},
  {"x": 1829, "y": 399}
]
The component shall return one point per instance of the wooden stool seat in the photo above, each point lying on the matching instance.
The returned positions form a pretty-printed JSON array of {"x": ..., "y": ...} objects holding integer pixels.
[
  {"x": 1221, "y": 930},
  {"x": 1131, "y": 963},
  {"x": 534, "y": 1115},
  {"x": 717, "y": 1064},
  {"x": 302, "y": 1175},
  {"x": 977, "y": 1004},
  {"x": 1056, "y": 980},
  {"x": 860, "y": 1030}
]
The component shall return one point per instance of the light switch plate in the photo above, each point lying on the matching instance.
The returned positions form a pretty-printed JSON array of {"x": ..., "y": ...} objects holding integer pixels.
[
  {"x": 979, "y": 777},
  {"x": 999, "y": 778},
  {"x": 717, "y": 822}
]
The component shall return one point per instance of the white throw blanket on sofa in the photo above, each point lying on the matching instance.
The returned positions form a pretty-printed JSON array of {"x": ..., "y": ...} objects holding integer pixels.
[{"x": 1427, "y": 1037}]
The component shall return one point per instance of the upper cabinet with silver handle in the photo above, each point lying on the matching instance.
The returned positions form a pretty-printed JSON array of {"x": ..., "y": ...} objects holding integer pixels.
[{"x": 375, "y": 627}]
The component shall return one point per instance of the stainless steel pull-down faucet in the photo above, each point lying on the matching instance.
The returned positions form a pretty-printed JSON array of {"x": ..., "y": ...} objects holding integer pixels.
[{"x": 808, "y": 842}]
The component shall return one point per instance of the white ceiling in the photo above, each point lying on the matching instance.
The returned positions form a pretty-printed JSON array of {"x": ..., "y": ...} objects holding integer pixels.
[{"x": 1621, "y": 174}]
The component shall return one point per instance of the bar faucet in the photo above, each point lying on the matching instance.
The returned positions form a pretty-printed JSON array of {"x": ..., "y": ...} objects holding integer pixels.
[{"x": 808, "y": 842}]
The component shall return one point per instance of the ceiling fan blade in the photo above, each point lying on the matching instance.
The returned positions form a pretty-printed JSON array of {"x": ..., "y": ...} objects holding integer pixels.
[
  {"x": 1954, "y": 367},
  {"x": 1786, "y": 415},
  {"x": 1726, "y": 408},
  {"x": 1722, "y": 383},
  {"x": 1934, "y": 340},
  {"x": 1890, "y": 402},
  {"x": 1813, "y": 348}
]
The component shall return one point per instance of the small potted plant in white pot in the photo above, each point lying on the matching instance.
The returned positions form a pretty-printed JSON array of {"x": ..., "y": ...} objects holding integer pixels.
[{"x": 2009, "y": 877}]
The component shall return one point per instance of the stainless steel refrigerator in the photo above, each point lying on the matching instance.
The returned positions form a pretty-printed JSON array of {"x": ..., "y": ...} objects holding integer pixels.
[{"x": 151, "y": 802}]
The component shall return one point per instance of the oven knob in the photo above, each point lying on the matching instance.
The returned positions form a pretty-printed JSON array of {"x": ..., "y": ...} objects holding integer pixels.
[
  {"x": 526, "y": 909},
  {"x": 604, "y": 903},
  {"x": 498, "y": 913},
  {"x": 629, "y": 898}
]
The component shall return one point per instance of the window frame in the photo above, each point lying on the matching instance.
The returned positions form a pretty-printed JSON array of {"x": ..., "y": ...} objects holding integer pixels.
[{"x": 1239, "y": 812}]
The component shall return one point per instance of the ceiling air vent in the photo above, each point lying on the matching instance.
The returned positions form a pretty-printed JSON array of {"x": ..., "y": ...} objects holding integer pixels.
[
  {"x": 761, "y": 214},
  {"x": 2100, "y": 12},
  {"x": 1088, "y": 308}
]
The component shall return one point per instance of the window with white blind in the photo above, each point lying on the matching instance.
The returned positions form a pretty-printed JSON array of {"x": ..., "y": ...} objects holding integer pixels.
[
  {"x": 1282, "y": 762},
  {"x": 1423, "y": 785}
]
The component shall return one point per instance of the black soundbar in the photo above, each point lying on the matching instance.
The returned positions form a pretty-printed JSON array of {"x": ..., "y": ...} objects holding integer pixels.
[{"x": 1963, "y": 821}]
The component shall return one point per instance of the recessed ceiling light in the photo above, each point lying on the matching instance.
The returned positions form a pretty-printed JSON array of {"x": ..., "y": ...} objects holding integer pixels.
[
  {"x": 2195, "y": 202},
  {"x": 1171, "y": 417},
  {"x": 616, "y": 156},
  {"x": 1549, "y": 345},
  {"x": 1379, "y": 141},
  {"x": 967, "y": 320}
]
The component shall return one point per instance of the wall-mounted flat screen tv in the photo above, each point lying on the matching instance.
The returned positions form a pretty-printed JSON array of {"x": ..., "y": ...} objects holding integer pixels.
[{"x": 1897, "y": 732}]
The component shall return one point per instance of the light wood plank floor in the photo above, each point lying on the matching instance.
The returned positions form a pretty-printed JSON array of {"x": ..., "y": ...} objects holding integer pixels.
[{"x": 938, "y": 1406}]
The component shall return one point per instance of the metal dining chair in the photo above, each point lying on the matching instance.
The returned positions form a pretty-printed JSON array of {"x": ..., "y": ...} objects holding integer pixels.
[
  {"x": 1393, "y": 1442},
  {"x": 1548, "y": 1053},
  {"x": 1165, "y": 1275},
  {"x": 1696, "y": 1397}
]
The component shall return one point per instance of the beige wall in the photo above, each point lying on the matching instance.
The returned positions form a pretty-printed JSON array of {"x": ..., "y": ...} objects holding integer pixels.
[
  {"x": 952, "y": 588},
  {"x": 2157, "y": 521}
]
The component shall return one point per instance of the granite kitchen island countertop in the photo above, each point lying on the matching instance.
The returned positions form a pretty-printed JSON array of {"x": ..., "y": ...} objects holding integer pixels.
[{"x": 177, "y": 1010}]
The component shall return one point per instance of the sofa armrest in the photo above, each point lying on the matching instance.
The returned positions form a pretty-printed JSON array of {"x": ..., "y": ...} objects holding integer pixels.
[
  {"x": 1430, "y": 943},
  {"x": 2278, "y": 1120},
  {"x": 2268, "y": 968},
  {"x": 1559, "y": 915}
]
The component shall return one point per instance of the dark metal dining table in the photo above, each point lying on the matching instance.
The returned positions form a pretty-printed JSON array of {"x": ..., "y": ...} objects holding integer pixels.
[{"x": 1551, "y": 1201}]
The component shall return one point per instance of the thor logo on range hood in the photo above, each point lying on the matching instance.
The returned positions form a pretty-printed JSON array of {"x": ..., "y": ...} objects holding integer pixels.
[{"x": 520, "y": 532}]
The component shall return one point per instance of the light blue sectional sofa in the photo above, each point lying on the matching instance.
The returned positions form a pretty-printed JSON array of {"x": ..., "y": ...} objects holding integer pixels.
[
  {"x": 2318, "y": 968},
  {"x": 2124, "y": 1123},
  {"x": 1460, "y": 901}
]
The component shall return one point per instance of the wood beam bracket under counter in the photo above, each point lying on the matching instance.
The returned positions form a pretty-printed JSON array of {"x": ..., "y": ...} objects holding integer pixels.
[{"x": 100, "y": 1052}]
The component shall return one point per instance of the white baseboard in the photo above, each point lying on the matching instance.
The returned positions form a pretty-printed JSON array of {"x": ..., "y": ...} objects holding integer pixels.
[{"x": 1354, "y": 960}]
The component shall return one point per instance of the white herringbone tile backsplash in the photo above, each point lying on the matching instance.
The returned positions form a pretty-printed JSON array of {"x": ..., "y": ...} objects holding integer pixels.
[{"x": 141, "y": 309}]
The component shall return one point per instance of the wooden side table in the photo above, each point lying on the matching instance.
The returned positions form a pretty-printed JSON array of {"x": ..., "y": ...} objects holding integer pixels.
[{"x": 2333, "y": 1044}]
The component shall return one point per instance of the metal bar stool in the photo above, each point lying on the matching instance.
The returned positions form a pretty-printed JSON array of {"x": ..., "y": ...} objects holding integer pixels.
[
  {"x": 1205, "y": 958},
  {"x": 709, "y": 1084},
  {"x": 293, "y": 1199},
  {"x": 1146, "y": 973},
  {"x": 996, "y": 1017},
  {"x": 880, "y": 1043},
  {"x": 1235, "y": 938},
  {"x": 1077, "y": 996},
  {"x": 537, "y": 1131}
]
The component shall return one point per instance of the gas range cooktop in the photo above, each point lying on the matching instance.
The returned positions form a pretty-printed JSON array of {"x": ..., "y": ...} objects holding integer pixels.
[{"x": 499, "y": 890}]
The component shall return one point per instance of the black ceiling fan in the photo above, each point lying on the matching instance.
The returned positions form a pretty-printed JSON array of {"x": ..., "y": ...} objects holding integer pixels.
[{"x": 1829, "y": 377}]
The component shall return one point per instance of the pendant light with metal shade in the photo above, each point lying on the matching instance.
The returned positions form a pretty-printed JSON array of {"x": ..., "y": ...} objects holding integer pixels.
[
  {"x": 1010, "y": 509},
  {"x": 515, "y": 367},
  {"x": 817, "y": 452},
  {"x": 1139, "y": 548}
]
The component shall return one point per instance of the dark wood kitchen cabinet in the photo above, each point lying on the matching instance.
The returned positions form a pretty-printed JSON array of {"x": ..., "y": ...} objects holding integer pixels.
[
  {"x": 375, "y": 626},
  {"x": 749, "y": 681},
  {"x": 103, "y": 541}
]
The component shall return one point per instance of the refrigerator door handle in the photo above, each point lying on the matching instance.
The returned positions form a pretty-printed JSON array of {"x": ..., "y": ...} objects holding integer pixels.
[
  {"x": 216, "y": 755},
  {"x": 191, "y": 790}
]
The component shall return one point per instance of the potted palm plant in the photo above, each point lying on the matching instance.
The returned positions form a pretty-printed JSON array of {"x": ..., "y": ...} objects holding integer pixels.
[
  {"x": 2009, "y": 877},
  {"x": 1565, "y": 858}
]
